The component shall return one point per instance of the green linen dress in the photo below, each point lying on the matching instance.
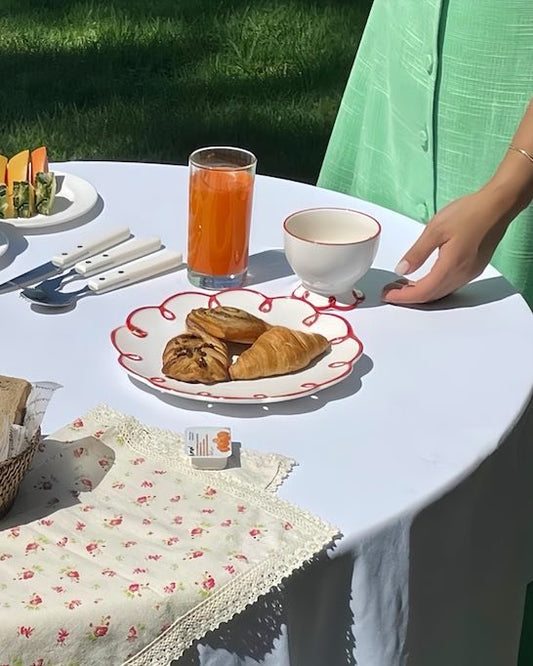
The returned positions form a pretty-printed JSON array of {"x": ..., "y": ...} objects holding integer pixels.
[{"x": 435, "y": 95}]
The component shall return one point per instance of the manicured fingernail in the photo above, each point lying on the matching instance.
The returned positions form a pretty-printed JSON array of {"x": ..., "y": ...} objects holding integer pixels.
[{"x": 402, "y": 268}]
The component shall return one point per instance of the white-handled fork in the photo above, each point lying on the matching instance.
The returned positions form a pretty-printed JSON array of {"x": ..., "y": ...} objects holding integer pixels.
[
  {"x": 134, "y": 271},
  {"x": 118, "y": 255}
]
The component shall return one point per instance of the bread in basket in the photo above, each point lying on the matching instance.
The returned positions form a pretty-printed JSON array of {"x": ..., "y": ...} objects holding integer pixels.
[{"x": 14, "y": 393}]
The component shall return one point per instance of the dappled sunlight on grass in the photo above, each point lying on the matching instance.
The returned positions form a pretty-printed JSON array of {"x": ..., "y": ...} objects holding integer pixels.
[{"x": 128, "y": 80}]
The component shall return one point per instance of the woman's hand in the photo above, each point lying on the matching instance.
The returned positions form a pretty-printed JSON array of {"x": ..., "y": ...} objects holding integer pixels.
[{"x": 466, "y": 233}]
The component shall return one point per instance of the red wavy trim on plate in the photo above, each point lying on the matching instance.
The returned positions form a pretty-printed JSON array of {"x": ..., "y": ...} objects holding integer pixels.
[
  {"x": 113, "y": 339},
  {"x": 312, "y": 319},
  {"x": 166, "y": 313},
  {"x": 338, "y": 364},
  {"x": 133, "y": 357},
  {"x": 138, "y": 332},
  {"x": 266, "y": 305},
  {"x": 213, "y": 301},
  {"x": 332, "y": 301},
  {"x": 337, "y": 341}
]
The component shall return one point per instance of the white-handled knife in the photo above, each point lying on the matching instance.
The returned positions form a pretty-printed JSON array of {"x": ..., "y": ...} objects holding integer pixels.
[
  {"x": 135, "y": 271},
  {"x": 116, "y": 256},
  {"x": 61, "y": 261},
  {"x": 120, "y": 254}
]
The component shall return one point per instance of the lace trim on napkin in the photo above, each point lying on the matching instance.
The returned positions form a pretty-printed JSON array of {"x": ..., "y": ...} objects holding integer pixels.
[
  {"x": 249, "y": 586},
  {"x": 267, "y": 469}
]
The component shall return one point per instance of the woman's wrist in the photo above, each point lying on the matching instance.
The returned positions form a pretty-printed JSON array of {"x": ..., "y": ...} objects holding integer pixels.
[{"x": 512, "y": 184}]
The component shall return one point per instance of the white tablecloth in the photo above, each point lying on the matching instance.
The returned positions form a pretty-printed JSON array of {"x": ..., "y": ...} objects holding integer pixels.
[{"x": 429, "y": 479}]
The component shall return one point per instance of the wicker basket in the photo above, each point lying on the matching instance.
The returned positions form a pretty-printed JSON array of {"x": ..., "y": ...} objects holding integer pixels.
[{"x": 12, "y": 472}]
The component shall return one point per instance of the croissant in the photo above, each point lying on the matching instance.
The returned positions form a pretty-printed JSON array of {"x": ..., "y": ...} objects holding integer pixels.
[
  {"x": 226, "y": 323},
  {"x": 196, "y": 358},
  {"x": 278, "y": 351}
]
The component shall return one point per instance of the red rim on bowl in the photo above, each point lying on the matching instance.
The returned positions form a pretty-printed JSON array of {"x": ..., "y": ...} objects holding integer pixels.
[{"x": 330, "y": 208}]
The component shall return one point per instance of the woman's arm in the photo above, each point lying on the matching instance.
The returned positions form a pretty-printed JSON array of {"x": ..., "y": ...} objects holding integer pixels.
[{"x": 467, "y": 231}]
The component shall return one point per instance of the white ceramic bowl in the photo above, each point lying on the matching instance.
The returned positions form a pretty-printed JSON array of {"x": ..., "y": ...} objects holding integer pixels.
[{"x": 330, "y": 249}]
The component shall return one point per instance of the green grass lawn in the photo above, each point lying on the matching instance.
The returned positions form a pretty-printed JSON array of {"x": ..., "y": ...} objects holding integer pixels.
[{"x": 151, "y": 81}]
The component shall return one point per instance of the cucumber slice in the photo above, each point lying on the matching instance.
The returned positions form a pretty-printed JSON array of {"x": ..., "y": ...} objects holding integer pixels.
[
  {"x": 45, "y": 191},
  {"x": 3, "y": 201},
  {"x": 23, "y": 199}
]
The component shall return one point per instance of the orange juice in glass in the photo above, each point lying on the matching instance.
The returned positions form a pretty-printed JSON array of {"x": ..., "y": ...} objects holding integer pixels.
[{"x": 221, "y": 185}]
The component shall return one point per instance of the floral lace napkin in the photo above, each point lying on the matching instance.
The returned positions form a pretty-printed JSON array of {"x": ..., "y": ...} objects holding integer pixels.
[{"x": 118, "y": 551}]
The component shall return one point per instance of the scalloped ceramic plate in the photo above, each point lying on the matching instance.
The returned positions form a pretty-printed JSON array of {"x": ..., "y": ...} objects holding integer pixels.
[
  {"x": 75, "y": 197},
  {"x": 140, "y": 343}
]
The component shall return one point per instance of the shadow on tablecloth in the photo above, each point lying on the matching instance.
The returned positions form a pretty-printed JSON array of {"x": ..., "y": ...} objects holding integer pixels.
[
  {"x": 471, "y": 558},
  {"x": 312, "y": 611},
  {"x": 57, "y": 479}
]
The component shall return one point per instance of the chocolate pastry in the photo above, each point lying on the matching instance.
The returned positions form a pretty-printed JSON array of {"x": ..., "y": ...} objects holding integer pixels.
[
  {"x": 226, "y": 323},
  {"x": 278, "y": 351},
  {"x": 196, "y": 358}
]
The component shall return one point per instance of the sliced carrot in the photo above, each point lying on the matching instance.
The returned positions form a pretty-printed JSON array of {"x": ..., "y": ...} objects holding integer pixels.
[
  {"x": 17, "y": 168},
  {"x": 3, "y": 169},
  {"x": 39, "y": 162}
]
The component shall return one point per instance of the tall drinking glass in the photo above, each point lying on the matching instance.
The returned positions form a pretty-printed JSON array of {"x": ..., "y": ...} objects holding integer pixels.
[{"x": 221, "y": 185}]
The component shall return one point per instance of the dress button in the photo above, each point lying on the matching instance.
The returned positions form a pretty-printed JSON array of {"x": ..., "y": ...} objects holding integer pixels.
[
  {"x": 424, "y": 139},
  {"x": 429, "y": 63},
  {"x": 422, "y": 211}
]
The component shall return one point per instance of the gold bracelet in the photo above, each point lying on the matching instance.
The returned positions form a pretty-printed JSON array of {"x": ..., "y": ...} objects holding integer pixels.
[{"x": 522, "y": 151}]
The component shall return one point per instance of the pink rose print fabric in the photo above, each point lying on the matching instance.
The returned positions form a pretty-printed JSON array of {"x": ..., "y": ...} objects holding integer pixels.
[{"x": 108, "y": 550}]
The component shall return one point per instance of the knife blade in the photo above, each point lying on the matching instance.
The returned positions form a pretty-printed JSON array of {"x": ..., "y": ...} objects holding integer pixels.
[{"x": 63, "y": 260}]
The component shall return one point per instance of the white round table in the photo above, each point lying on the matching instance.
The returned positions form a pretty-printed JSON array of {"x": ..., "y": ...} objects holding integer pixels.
[{"x": 416, "y": 456}]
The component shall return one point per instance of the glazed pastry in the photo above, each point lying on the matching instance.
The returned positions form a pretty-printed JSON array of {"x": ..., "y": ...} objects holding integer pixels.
[
  {"x": 196, "y": 358},
  {"x": 278, "y": 351},
  {"x": 226, "y": 323}
]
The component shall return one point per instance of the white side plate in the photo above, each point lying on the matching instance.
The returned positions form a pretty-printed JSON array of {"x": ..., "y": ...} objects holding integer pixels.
[
  {"x": 74, "y": 197},
  {"x": 141, "y": 341}
]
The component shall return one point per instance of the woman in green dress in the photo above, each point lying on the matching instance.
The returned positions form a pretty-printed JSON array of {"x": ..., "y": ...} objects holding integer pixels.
[{"x": 436, "y": 94}]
